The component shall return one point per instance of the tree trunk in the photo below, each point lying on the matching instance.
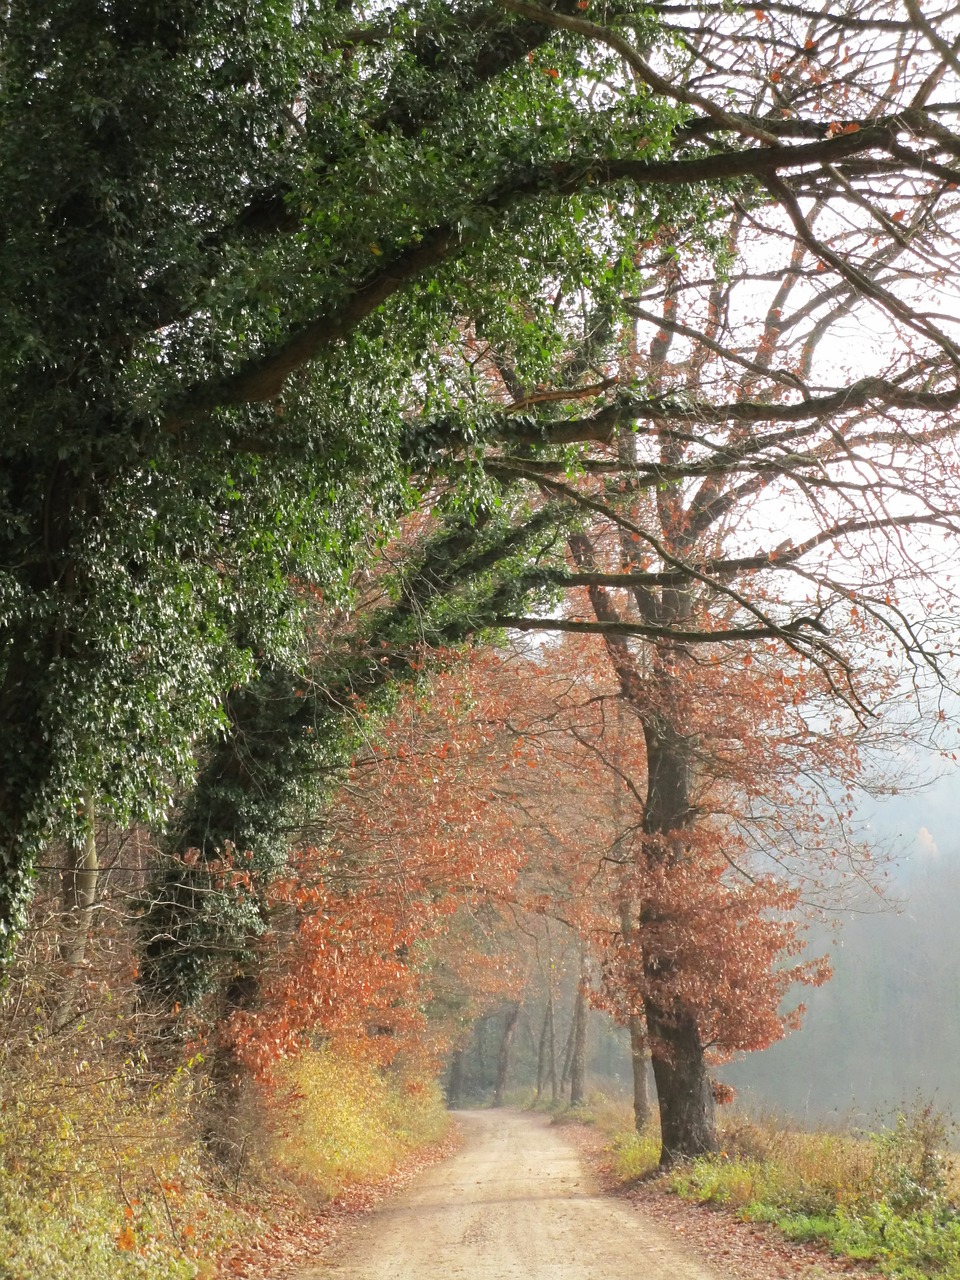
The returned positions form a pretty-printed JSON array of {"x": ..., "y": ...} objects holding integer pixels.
[
  {"x": 542, "y": 1051},
  {"x": 78, "y": 891},
  {"x": 687, "y": 1121},
  {"x": 685, "y": 1100},
  {"x": 552, "y": 1046},
  {"x": 638, "y": 1063},
  {"x": 480, "y": 1054},
  {"x": 78, "y": 896},
  {"x": 27, "y": 767},
  {"x": 226, "y": 1130},
  {"x": 455, "y": 1080},
  {"x": 578, "y": 1056},
  {"x": 568, "y": 1050},
  {"x": 628, "y": 913},
  {"x": 503, "y": 1060}
]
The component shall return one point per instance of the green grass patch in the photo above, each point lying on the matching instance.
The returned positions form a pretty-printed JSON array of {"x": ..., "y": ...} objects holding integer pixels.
[
  {"x": 885, "y": 1198},
  {"x": 635, "y": 1155}
]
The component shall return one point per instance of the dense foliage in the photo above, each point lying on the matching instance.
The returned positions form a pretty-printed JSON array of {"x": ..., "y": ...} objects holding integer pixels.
[{"x": 572, "y": 293}]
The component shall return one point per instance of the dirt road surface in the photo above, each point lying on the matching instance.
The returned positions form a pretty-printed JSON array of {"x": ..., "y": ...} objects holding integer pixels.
[{"x": 514, "y": 1204}]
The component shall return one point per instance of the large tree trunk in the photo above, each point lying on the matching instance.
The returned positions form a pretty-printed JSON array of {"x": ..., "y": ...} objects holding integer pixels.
[
  {"x": 510, "y": 1020},
  {"x": 687, "y": 1123}
]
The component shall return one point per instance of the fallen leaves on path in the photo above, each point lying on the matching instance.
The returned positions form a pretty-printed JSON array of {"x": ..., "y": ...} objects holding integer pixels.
[
  {"x": 299, "y": 1239},
  {"x": 741, "y": 1250}
]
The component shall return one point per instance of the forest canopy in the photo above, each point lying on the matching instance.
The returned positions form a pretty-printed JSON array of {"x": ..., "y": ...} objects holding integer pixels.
[{"x": 337, "y": 337}]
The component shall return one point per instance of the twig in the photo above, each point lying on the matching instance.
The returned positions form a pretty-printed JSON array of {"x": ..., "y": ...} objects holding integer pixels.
[{"x": 166, "y": 1204}]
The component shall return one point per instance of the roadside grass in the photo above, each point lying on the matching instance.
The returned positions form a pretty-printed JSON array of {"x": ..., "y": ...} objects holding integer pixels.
[
  {"x": 103, "y": 1175},
  {"x": 889, "y": 1198}
]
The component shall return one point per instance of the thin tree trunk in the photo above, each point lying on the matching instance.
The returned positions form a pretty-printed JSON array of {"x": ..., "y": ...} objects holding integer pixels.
[
  {"x": 568, "y": 1050},
  {"x": 78, "y": 896},
  {"x": 510, "y": 1020},
  {"x": 542, "y": 1051},
  {"x": 578, "y": 1056},
  {"x": 554, "y": 1085},
  {"x": 638, "y": 1063},
  {"x": 226, "y": 1131},
  {"x": 455, "y": 1080},
  {"x": 480, "y": 1046}
]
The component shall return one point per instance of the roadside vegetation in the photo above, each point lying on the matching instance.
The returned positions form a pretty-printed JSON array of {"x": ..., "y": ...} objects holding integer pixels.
[
  {"x": 319, "y": 394},
  {"x": 104, "y": 1174},
  {"x": 890, "y": 1198}
]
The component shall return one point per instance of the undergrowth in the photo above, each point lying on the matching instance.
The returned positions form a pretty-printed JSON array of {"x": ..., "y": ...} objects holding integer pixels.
[
  {"x": 100, "y": 1177},
  {"x": 889, "y": 1198},
  {"x": 103, "y": 1177},
  {"x": 338, "y": 1119}
]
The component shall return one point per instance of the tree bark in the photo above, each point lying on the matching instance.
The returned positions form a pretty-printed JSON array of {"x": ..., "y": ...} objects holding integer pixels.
[
  {"x": 552, "y": 1045},
  {"x": 542, "y": 1051},
  {"x": 568, "y": 1050},
  {"x": 78, "y": 890},
  {"x": 578, "y": 1056},
  {"x": 78, "y": 896},
  {"x": 510, "y": 1020},
  {"x": 226, "y": 1132},
  {"x": 638, "y": 1064},
  {"x": 687, "y": 1120}
]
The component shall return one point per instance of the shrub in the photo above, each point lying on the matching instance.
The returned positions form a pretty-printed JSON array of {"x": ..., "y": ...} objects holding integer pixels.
[
  {"x": 100, "y": 1176},
  {"x": 332, "y": 1118}
]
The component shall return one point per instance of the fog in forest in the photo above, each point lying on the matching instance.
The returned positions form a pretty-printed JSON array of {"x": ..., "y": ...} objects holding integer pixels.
[
  {"x": 886, "y": 1029},
  {"x": 881, "y": 1035}
]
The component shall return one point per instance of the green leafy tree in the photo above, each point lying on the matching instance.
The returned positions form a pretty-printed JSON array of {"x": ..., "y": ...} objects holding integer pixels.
[{"x": 236, "y": 236}]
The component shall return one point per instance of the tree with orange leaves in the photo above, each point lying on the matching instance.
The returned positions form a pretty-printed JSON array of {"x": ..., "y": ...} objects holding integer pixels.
[{"x": 518, "y": 791}]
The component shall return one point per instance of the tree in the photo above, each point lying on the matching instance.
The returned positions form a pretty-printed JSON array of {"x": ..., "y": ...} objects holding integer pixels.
[
  {"x": 233, "y": 269},
  {"x": 526, "y": 747},
  {"x": 205, "y": 201},
  {"x": 741, "y": 409}
]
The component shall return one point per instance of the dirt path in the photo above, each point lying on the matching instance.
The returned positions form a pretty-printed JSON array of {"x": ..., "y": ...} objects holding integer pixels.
[{"x": 514, "y": 1204}]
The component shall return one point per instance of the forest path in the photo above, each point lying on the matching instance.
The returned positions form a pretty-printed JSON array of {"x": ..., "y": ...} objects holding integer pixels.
[{"x": 514, "y": 1204}]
